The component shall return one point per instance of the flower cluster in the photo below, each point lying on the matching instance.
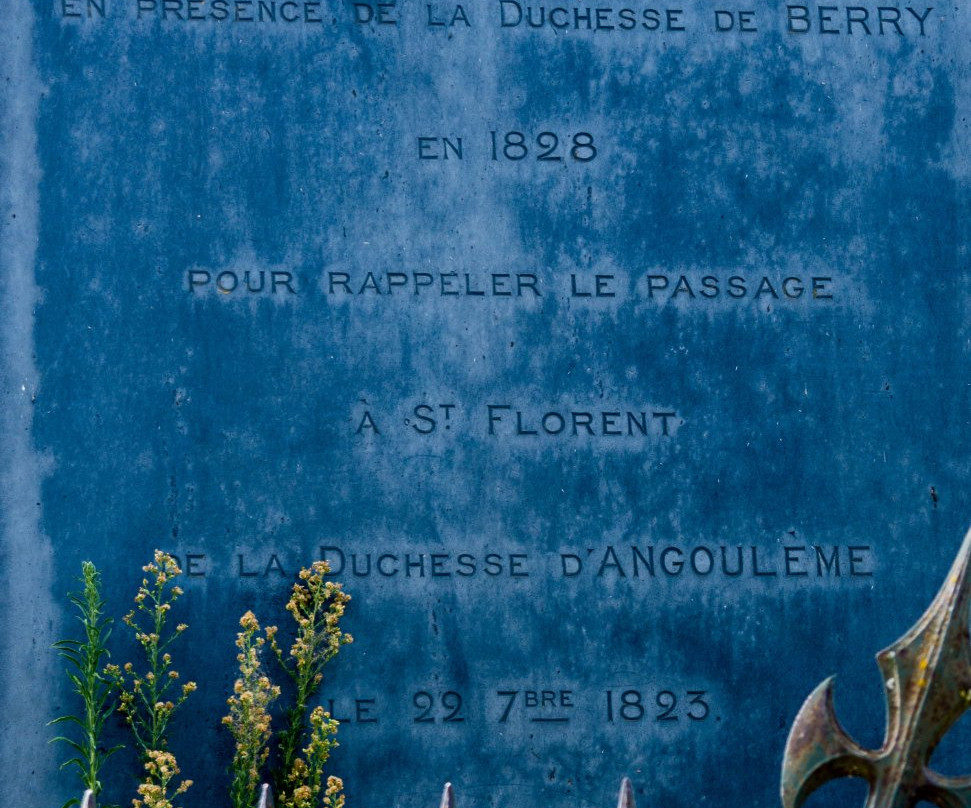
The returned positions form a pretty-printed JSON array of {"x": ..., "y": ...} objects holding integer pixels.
[
  {"x": 316, "y": 606},
  {"x": 148, "y": 699},
  {"x": 334, "y": 793},
  {"x": 249, "y": 717},
  {"x": 303, "y": 780},
  {"x": 160, "y": 769}
]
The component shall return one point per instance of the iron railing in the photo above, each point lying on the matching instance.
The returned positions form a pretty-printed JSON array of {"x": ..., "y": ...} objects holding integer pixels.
[{"x": 625, "y": 798}]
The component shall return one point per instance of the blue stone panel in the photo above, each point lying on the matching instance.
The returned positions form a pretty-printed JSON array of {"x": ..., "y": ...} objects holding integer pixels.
[{"x": 615, "y": 354}]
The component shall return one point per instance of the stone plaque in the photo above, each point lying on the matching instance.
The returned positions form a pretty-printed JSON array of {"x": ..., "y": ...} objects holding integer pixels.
[{"x": 614, "y": 354}]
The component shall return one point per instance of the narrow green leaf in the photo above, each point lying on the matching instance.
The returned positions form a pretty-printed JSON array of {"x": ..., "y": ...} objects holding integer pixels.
[
  {"x": 74, "y": 745},
  {"x": 64, "y": 718}
]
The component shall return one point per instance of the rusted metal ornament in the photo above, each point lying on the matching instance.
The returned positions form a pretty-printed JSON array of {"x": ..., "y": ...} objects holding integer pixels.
[{"x": 927, "y": 674}]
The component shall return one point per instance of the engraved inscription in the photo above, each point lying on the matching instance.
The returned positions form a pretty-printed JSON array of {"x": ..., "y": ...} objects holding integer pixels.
[
  {"x": 514, "y": 145},
  {"x": 426, "y": 707},
  {"x": 508, "y": 420},
  {"x": 857, "y": 20},
  {"x": 826, "y": 21},
  {"x": 647, "y": 562},
  {"x": 502, "y": 420},
  {"x": 82, "y": 9},
  {"x": 241, "y": 283},
  {"x": 440, "y": 284},
  {"x": 663, "y": 705},
  {"x": 433, "y": 707},
  {"x": 739, "y": 287},
  {"x": 544, "y": 147},
  {"x": 513, "y": 14},
  {"x": 538, "y": 706},
  {"x": 232, "y": 11},
  {"x": 723, "y": 562},
  {"x": 696, "y": 287}
]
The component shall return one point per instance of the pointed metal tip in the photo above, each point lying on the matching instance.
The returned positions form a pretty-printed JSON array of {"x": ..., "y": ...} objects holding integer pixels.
[
  {"x": 266, "y": 796},
  {"x": 89, "y": 800},
  {"x": 964, "y": 554},
  {"x": 625, "y": 799},
  {"x": 448, "y": 797}
]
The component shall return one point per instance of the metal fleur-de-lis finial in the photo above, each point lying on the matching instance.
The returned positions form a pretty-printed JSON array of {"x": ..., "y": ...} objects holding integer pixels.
[{"x": 927, "y": 674}]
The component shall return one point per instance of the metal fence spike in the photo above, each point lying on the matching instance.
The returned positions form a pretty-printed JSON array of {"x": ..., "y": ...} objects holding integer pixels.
[
  {"x": 927, "y": 688},
  {"x": 266, "y": 796},
  {"x": 625, "y": 799},
  {"x": 448, "y": 797},
  {"x": 89, "y": 800}
]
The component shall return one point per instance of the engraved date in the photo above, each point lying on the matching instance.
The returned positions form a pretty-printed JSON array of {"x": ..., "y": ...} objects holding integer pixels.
[
  {"x": 547, "y": 146},
  {"x": 664, "y": 705},
  {"x": 543, "y": 147}
]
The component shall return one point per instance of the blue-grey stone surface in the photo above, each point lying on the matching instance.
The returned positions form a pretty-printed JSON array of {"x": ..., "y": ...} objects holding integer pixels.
[{"x": 747, "y": 256}]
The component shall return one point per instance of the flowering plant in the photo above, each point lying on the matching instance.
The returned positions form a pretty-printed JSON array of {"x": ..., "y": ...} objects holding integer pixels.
[
  {"x": 85, "y": 657},
  {"x": 160, "y": 769},
  {"x": 147, "y": 695},
  {"x": 249, "y": 716},
  {"x": 308, "y": 737},
  {"x": 316, "y": 606},
  {"x": 147, "y": 699}
]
